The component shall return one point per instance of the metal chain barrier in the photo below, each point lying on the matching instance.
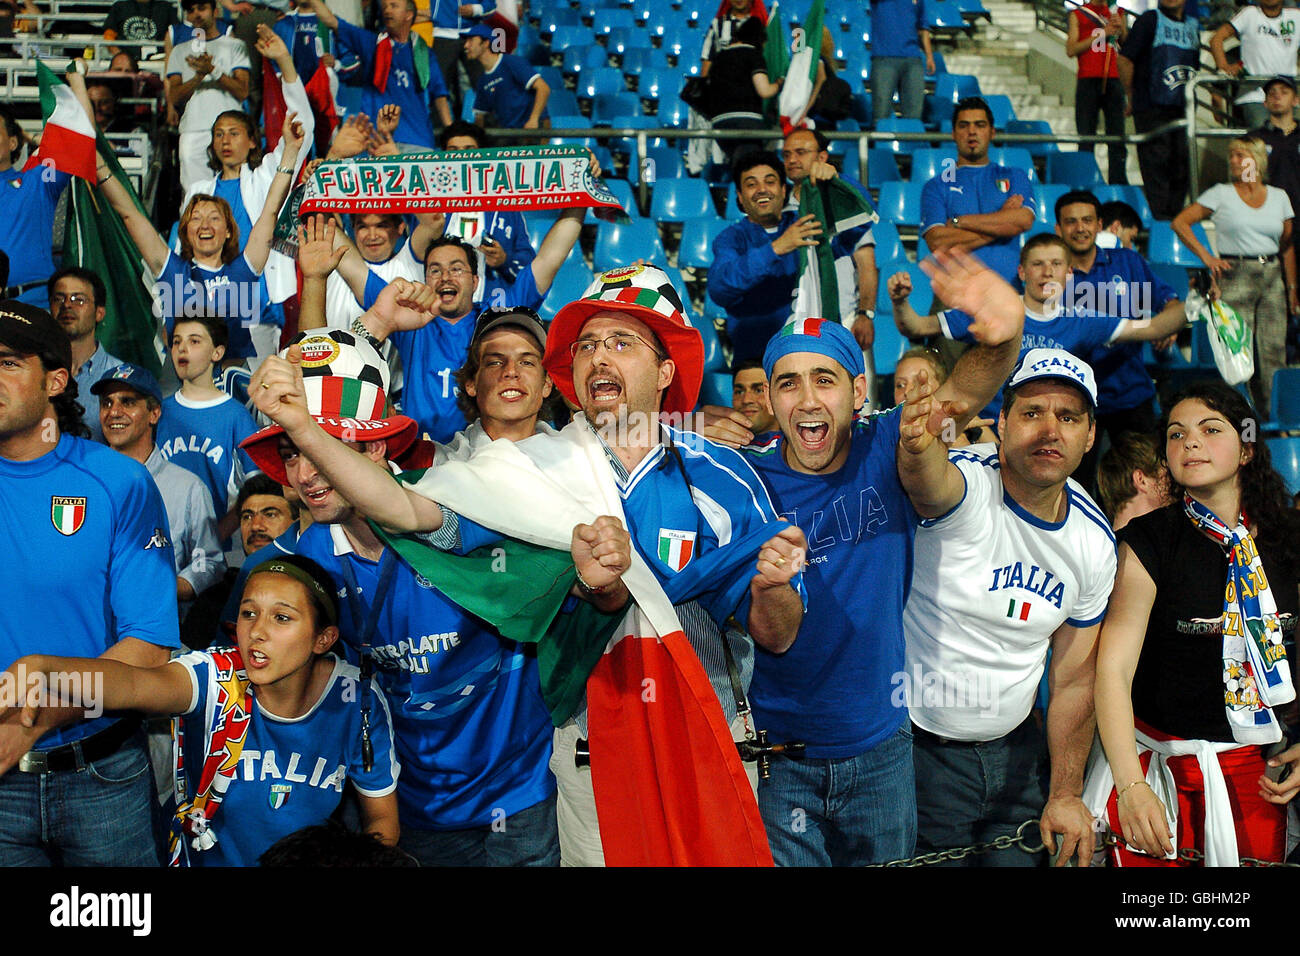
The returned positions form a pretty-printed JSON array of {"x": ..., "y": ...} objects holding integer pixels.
[
  {"x": 1189, "y": 856},
  {"x": 1021, "y": 840}
]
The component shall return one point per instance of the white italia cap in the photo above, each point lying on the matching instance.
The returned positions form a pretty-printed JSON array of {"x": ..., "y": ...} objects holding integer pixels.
[{"x": 1038, "y": 364}]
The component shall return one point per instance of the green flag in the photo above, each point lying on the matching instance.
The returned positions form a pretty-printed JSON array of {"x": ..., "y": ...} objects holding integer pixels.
[
  {"x": 776, "y": 50},
  {"x": 801, "y": 76},
  {"x": 96, "y": 239},
  {"x": 838, "y": 207}
]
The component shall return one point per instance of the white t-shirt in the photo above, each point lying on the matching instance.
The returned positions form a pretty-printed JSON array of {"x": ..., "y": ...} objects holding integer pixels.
[
  {"x": 1241, "y": 230},
  {"x": 1268, "y": 47},
  {"x": 990, "y": 584},
  {"x": 342, "y": 307},
  {"x": 209, "y": 99}
]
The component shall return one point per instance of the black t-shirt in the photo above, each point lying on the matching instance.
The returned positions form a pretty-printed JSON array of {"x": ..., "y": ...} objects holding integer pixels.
[
  {"x": 132, "y": 20},
  {"x": 1283, "y": 159},
  {"x": 1178, "y": 685},
  {"x": 731, "y": 80}
]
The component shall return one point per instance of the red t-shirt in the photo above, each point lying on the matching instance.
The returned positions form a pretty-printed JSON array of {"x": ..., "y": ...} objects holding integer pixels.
[{"x": 1092, "y": 63}]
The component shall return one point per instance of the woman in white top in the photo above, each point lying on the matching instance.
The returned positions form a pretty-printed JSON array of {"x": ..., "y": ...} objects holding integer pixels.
[{"x": 1252, "y": 224}]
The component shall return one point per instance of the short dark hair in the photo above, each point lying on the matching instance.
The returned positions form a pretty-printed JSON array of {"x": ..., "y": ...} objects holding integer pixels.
[
  {"x": 744, "y": 365},
  {"x": 1121, "y": 211},
  {"x": 91, "y": 279},
  {"x": 261, "y": 484},
  {"x": 393, "y": 217},
  {"x": 470, "y": 252},
  {"x": 216, "y": 326},
  {"x": 1128, "y": 452},
  {"x": 1077, "y": 196},
  {"x": 758, "y": 157},
  {"x": 12, "y": 128},
  {"x": 972, "y": 103},
  {"x": 331, "y": 844},
  {"x": 463, "y": 128}
]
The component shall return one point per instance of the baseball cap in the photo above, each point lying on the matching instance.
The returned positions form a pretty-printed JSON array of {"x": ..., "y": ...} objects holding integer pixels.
[
  {"x": 132, "y": 376},
  {"x": 31, "y": 330},
  {"x": 478, "y": 30},
  {"x": 647, "y": 294},
  {"x": 490, "y": 320},
  {"x": 1041, "y": 364},
  {"x": 1281, "y": 78}
]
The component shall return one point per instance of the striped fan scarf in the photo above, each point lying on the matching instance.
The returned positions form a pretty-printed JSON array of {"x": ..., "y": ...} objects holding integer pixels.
[
  {"x": 1255, "y": 673},
  {"x": 384, "y": 62}
]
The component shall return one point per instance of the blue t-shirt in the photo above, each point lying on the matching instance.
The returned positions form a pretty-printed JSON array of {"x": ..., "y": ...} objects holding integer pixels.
[
  {"x": 298, "y": 30},
  {"x": 894, "y": 27},
  {"x": 971, "y": 190},
  {"x": 91, "y": 559},
  {"x": 291, "y": 771},
  {"x": 228, "y": 189},
  {"x": 1077, "y": 334},
  {"x": 204, "y": 437},
  {"x": 27, "y": 202},
  {"x": 1124, "y": 280},
  {"x": 834, "y": 687},
  {"x": 414, "y": 128},
  {"x": 235, "y": 292},
  {"x": 472, "y": 729},
  {"x": 507, "y": 228},
  {"x": 507, "y": 91},
  {"x": 753, "y": 283},
  {"x": 432, "y": 354}
]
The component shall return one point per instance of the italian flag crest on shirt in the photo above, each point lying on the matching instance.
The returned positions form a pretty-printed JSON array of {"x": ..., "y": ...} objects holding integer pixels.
[
  {"x": 68, "y": 514},
  {"x": 676, "y": 548}
]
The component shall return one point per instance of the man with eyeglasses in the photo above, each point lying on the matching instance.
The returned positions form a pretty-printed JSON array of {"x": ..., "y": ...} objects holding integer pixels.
[{"x": 77, "y": 302}]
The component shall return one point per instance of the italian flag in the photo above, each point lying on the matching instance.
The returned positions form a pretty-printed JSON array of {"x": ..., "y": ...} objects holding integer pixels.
[
  {"x": 68, "y": 141},
  {"x": 669, "y": 785},
  {"x": 1018, "y": 610},
  {"x": 837, "y": 206},
  {"x": 676, "y": 548},
  {"x": 801, "y": 73}
]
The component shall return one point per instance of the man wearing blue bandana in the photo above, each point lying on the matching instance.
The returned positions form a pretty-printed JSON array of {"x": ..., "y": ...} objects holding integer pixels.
[{"x": 856, "y": 488}]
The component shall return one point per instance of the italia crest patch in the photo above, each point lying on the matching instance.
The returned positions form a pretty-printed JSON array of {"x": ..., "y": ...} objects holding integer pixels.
[
  {"x": 279, "y": 793},
  {"x": 67, "y": 514},
  {"x": 1004, "y": 185},
  {"x": 676, "y": 548}
]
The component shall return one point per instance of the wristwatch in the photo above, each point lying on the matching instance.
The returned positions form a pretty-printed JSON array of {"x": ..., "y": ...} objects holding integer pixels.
[
  {"x": 869, "y": 313},
  {"x": 955, "y": 221}
]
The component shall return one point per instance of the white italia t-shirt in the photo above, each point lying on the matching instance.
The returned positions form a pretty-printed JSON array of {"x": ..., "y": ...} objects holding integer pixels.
[
  {"x": 1268, "y": 46},
  {"x": 990, "y": 584}
]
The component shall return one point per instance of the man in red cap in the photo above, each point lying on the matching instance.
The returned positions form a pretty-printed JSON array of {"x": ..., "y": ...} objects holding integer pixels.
[{"x": 696, "y": 519}]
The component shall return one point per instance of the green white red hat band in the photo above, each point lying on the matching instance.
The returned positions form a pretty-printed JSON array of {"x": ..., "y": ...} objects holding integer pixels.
[{"x": 817, "y": 335}]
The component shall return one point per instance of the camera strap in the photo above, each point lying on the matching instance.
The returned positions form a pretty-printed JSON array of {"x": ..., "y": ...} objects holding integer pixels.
[{"x": 365, "y": 622}]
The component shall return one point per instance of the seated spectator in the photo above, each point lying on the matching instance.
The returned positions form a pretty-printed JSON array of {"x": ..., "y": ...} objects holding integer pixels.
[
  {"x": 206, "y": 75},
  {"x": 78, "y": 301},
  {"x": 1120, "y": 226},
  {"x": 1132, "y": 480},
  {"x": 306, "y": 708},
  {"x": 209, "y": 272},
  {"x": 392, "y": 67},
  {"x": 509, "y": 89},
  {"x": 27, "y": 202},
  {"x": 201, "y": 426},
  {"x": 1253, "y": 231}
]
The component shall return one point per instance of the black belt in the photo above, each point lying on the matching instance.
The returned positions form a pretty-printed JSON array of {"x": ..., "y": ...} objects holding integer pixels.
[
  {"x": 14, "y": 291},
  {"x": 1259, "y": 259},
  {"x": 76, "y": 755},
  {"x": 920, "y": 733}
]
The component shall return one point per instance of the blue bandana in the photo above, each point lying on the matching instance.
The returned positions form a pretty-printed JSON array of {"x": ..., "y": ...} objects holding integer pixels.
[{"x": 823, "y": 336}]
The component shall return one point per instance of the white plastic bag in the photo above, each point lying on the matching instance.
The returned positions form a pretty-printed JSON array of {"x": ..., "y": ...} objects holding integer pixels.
[{"x": 1231, "y": 341}]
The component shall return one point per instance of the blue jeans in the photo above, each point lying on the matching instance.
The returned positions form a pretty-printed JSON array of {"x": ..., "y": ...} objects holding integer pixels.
[
  {"x": 528, "y": 838},
  {"x": 842, "y": 812},
  {"x": 971, "y": 793},
  {"x": 906, "y": 74},
  {"x": 100, "y": 816}
]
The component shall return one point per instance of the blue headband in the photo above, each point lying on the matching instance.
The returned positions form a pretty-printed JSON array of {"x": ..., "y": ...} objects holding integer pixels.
[{"x": 815, "y": 335}]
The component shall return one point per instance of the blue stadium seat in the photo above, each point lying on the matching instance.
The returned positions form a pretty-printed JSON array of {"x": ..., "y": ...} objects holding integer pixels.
[
  {"x": 844, "y": 152},
  {"x": 862, "y": 108},
  {"x": 714, "y": 360},
  {"x": 1164, "y": 246},
  {"x": 554, "y": 79},
  {"x": 667, "y": 163},
  {"x": 676, "y": 200},
  {"x": 612, "y": 109},
  {"x": 889, "y": 343},
  {"x": 1045, "y": 196},
  {"x": 896, "y": 125},
  {"x": 672, "y": 112},
  {"x": 654, "y": 83},
  {"x": 626, "y": 145},
  {"x": 922, "y": 296},
  {"x": 940, "y": 67},
  {"x": 1284, "y": 402},
  {"x": 626, "y": 195},
  {"x": 948, "y": 89},
  {"x": 1041, "y": 127},
  {"x": 928, "y": 163},
  {"x": 715, "y": 389},
  {"x": 559, "y": 17},
  {"x": 1285, "y": 453},
  {"x": 637, "y": 59},
  {"x": 611, "y": 20},
  {"x": 943, "y": 15},
  {"x": 679, "y": 37},
  {"x": 1079, "y": 170},
  {"x": 1176, "y": 276},
  {"x": 881, "y": 168},
  {"x": 562, "y": 102},
  {"x": 1003, "y": 111},
  {"x": 1014, "y": 157},
  {"x": 623, "y": 40},
  {"x": 1133, "y": 195},
  {"x": 529, "y": 46},
  {"x": 972, "y": 9},
  {"x": 622, "y": 243},
  {"x": 577, "y": 59},
  {"x": 571, "y": 281},
  {"x": 570, "y": 37},
  {"x": 889, "y": 247},
  {"x": 591, "y": 83},
  {"x": 467, "y": 107},
  {"x": 696, "y": 251},
  {"x": 857, "y": 68},
  {"x": 900, "y": 203}
]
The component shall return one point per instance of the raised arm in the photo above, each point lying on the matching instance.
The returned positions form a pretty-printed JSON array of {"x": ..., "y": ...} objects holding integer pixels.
[
  {"x": 152, "y": 246},
  {"x": 910, "y": 322},
  {"x": 998, "y": 316},
  {"x": 932, "y": 482},
  {"x": 556, "y": 246},
  {"x": 318, "y": 256},
  {"x": 259, "y": 239}
]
